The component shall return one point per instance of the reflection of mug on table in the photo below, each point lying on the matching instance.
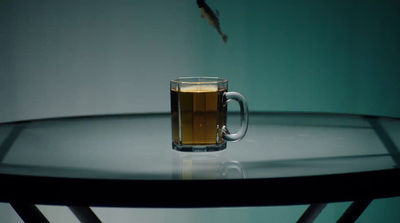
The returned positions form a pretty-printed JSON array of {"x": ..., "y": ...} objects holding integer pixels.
[
  {"x": 191, "y": 166},
  {"x": 199, "y": 109}
]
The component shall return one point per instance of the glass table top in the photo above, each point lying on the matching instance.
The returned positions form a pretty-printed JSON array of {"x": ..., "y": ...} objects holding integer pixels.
[{"x": 138, "y": 147}]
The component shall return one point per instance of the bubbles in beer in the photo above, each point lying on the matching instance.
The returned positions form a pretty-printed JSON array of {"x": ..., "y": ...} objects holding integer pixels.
[{"x": 202, "y": 115}]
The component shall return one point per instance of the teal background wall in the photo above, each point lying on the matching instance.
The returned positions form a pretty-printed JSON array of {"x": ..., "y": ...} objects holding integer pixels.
[
  {"x": 63, "y": 58},
  {"x": 328, "y": 56}
]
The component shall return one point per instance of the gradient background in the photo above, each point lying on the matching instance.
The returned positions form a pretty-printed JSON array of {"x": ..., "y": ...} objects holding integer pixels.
[
  {"x": 86, "y": 57},
  {"x": 67, "y": 58}
]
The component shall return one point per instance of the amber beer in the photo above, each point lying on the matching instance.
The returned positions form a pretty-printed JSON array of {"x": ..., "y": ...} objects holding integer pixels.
[{"x": 198, "y": 115}]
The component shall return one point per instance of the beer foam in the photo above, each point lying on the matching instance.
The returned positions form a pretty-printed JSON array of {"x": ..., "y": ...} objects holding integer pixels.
[{"x": 199, "y": 88}]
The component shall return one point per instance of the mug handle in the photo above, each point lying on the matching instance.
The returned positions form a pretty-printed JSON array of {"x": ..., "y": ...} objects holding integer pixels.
[{"x": 244, "y": 116}]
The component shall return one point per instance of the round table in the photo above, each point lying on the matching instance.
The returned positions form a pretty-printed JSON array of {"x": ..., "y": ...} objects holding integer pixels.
[{"x": 128, "y": 161}]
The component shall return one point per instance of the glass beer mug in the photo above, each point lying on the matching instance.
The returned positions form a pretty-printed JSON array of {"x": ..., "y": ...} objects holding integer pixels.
[{"x": 199, "y": 112}]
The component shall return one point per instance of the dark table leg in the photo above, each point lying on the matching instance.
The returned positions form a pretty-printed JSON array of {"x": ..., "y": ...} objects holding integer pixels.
[
  {"x": 84, "y": 214},
  {"x": 311, "y": 213},
  {"x": 29, "y": 213},
  {"x": 354, "y": 211}
]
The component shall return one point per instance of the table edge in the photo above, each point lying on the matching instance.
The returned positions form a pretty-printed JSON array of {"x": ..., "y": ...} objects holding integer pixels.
[{"x": 200, "y": 193}]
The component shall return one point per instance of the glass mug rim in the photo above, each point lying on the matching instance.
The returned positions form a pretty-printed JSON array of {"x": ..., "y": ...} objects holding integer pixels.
[{"x": 199, "y": 80}]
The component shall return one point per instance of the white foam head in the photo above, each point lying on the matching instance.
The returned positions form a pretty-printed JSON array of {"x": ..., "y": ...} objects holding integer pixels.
[{"x": 199, "y": 88}]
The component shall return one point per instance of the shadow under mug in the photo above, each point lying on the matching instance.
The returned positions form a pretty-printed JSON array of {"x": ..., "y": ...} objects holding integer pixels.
[{"x": 199, "y": 112}]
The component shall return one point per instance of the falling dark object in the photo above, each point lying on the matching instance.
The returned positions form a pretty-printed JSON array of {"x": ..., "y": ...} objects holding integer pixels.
[{"x": 212, "y": 18}]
